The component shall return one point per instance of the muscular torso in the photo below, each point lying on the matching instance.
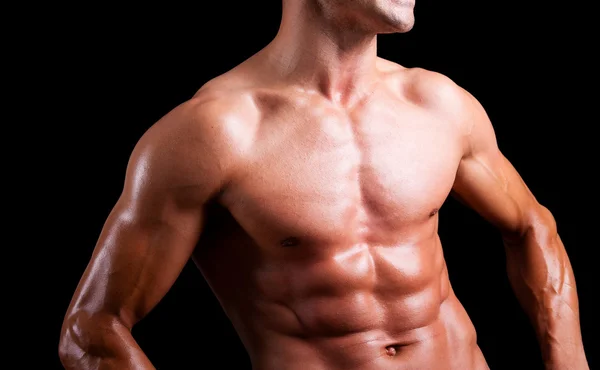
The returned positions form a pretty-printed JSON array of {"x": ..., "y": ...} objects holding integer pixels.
[{"x": 323, "y": 248}]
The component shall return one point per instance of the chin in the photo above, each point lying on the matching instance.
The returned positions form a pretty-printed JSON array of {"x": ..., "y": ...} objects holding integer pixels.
[
  {"x": 398, "y": 27},
  {"x": 396, "y": 19},
  {"x": 404, "y": 27}
]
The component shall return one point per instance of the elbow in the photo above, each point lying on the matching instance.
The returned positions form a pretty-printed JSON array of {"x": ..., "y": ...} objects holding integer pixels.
[
  {"x": 66, "y": 354},
  {"x": 63, "y": 351},
  {"x": 85, "y": 338},
  {"x": 537, "y": 223},
  {"x": 69, "y": 347},
  {"x": 541, "y": 223}
]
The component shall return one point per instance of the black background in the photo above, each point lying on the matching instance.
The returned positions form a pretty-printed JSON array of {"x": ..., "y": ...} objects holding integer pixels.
[{"x": 101, "y": 76}]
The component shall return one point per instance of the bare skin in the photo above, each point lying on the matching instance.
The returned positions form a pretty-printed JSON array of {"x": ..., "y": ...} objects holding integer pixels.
[{"x": 305, "y": 184}]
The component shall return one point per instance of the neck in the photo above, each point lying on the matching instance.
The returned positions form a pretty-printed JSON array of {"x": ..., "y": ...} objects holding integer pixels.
[{"x": 316, "y": 53}]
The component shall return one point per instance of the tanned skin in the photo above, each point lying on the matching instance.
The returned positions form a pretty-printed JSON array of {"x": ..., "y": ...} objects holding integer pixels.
[{"x": 305, "y": 184}]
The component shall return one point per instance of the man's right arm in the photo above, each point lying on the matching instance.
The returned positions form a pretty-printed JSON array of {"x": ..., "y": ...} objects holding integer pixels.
[{"x": 183, "y": 161}]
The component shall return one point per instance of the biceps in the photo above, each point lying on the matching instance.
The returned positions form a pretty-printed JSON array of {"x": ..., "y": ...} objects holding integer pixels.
[
  {"x": 135, "y": 262},
  {"x": 492, "y": 187}
]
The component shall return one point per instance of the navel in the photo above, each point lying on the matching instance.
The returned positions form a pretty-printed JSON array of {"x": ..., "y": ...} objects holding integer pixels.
[
  {"x": 292, "y": 241},
  {"x": 391, "y": 350},
  {"x": 433, "y": 212}
]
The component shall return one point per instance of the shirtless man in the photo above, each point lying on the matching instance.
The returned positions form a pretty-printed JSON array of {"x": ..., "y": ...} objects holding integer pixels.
[{"x": 305, "y": 184}]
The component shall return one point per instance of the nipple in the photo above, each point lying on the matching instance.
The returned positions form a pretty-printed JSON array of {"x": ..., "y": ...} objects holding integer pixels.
[{"x": 290, "y": 242}]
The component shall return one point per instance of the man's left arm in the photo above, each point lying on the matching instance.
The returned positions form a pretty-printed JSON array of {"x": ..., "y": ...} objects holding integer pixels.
[{"x": 537, "y": 264}]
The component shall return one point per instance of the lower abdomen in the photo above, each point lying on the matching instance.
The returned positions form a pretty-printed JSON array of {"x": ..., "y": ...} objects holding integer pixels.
[{"x": 447, "y": 342}]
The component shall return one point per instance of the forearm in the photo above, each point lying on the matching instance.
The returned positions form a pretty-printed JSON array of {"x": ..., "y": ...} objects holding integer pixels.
[
  {"x": 100, "y": 342},
  {"x": 542, "y": 278}
]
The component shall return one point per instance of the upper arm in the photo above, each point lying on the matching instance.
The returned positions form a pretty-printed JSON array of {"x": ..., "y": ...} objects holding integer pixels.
[
  {"x": 485, "y": 179},
  {"x": 177, "y": 166}
]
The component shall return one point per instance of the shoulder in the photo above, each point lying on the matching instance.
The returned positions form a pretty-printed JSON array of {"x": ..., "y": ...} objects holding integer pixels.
[
  {"x": 216, "y": 115},
  {"x": 442, "y": 96},
  {"x": 419, "y": 84},
  {"x": 434, "y": 92},
  {"x": 198, "y": 143},
  {"x": 438, "y": 93},
  {"x": 432, "y": 87}
]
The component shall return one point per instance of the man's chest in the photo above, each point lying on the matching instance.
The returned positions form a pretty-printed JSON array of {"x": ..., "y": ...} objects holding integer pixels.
[{"x": 326, "y": 178}]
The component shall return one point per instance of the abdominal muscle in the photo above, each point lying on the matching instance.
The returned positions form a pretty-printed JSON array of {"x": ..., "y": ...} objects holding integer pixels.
[
  {"x": 446, "y": 342},
  {"x": 360, "y": 307}
]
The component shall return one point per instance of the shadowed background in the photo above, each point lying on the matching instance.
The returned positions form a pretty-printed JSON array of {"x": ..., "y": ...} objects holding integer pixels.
[{"x": 109, "y": 73}]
